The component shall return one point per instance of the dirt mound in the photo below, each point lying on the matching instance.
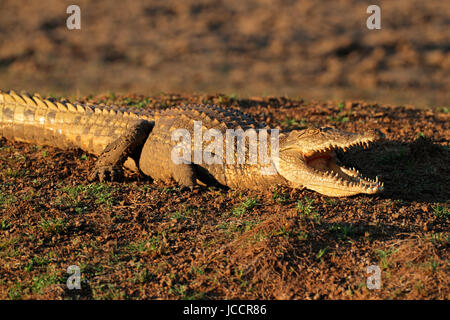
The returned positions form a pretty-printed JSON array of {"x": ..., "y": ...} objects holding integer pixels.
[{"x": 134, "y": 239}]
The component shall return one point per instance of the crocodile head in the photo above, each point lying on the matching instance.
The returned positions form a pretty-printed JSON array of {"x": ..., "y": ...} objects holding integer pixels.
[{"x": 307, "y": 159}]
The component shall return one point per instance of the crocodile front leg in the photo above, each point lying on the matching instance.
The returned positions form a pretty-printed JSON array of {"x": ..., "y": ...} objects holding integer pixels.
[{"x": 110, "y": 162}]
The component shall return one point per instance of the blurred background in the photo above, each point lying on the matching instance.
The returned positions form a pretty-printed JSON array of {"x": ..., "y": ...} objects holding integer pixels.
[{"x": 311, "y": 49}]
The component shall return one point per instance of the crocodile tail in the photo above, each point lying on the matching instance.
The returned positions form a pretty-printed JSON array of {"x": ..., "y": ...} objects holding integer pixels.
[{"x": 32, "y": 119}]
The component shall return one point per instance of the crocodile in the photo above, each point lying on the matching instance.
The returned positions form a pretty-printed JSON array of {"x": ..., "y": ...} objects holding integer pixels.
[{"x": 143, "y": 141}]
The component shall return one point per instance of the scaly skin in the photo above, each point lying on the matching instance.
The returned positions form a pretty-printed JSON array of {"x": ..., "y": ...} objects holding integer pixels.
[{"x": 144, "y": 142}]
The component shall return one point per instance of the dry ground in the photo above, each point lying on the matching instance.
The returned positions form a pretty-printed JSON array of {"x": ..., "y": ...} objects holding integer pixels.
[
  {"x": 137, "y": 239},
  {"x": 308, "y": 48}
]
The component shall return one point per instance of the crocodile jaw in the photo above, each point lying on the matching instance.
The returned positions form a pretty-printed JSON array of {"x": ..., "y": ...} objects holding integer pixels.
[
  {"x": 312, "y": 164},
  {"x": 328, "y": 178}
]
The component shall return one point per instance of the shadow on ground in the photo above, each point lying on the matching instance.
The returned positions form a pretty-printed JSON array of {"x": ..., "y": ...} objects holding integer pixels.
[{"x": 417, "y": 170}]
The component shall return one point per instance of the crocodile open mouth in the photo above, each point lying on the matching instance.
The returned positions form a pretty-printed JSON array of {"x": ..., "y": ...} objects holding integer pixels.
[{"x": 323, "y": 163}]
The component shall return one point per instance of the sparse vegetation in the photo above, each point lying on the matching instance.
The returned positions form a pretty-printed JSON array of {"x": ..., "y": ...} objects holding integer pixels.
[
  {"x": 321, "y": 253},
  {"x": 290, "y": 122},
  {"x": 245, "y": 207},
  {"x": 441, "y": 212},
  {"x": 342, "y": 232},
  {"x": 136, "y": 239},
  {"x": 305, "y": 207},
  {"x": 280, "y": 197},
  {"x": 53, "y": 226},
  {"x": 153, "y": 245},
  {"x": 77, "y": 198}
]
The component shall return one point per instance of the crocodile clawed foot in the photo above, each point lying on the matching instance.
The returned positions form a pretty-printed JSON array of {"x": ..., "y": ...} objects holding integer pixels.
[
  {"x": 187, "y": 188},
  {"x": 106, "y": 173}
]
